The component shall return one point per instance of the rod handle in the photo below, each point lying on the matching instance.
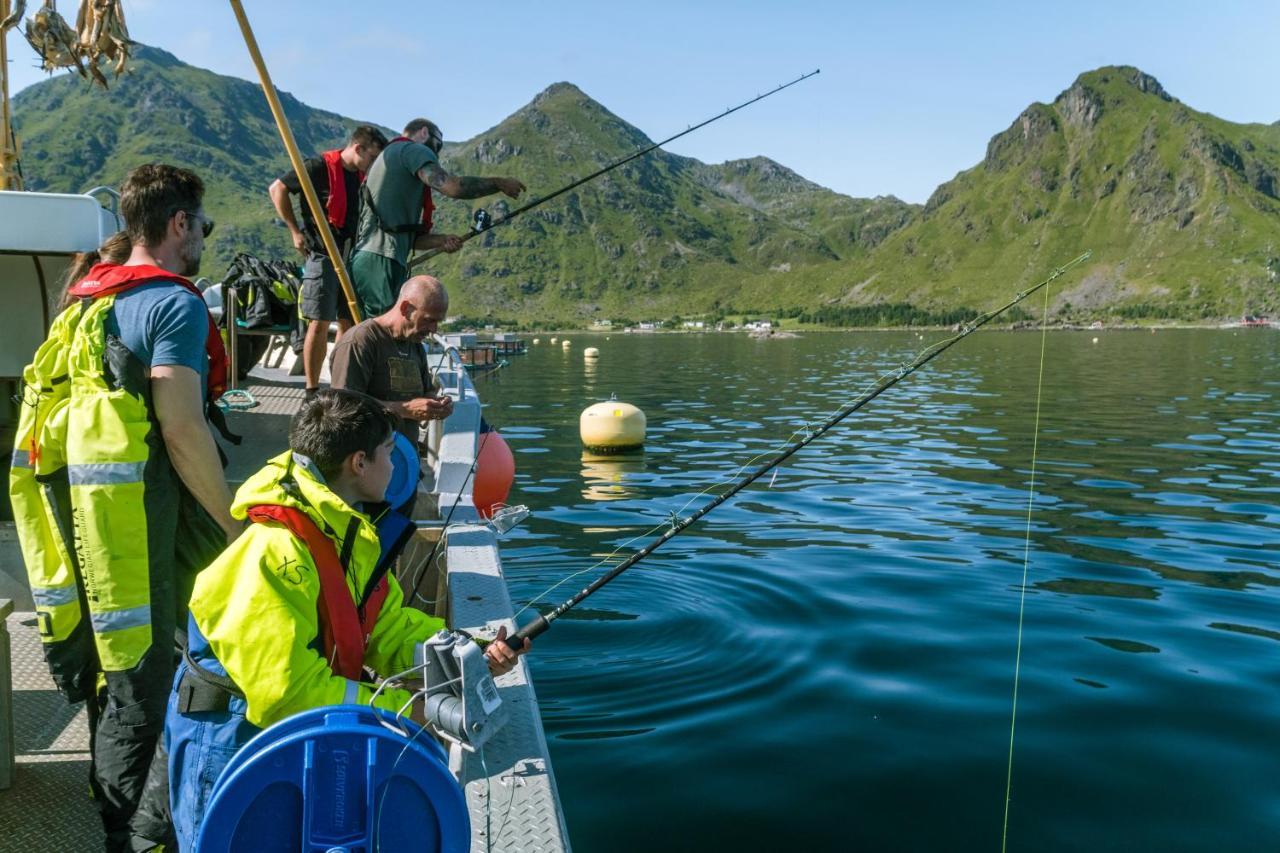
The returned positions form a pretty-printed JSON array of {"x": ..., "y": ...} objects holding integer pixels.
[{"x": 516, "y": 641}]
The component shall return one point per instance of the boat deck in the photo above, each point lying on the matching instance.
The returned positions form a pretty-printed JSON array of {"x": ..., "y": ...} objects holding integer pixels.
[
  {"x": 510, "y": 789},
  {"x": 48, "y": 806}
]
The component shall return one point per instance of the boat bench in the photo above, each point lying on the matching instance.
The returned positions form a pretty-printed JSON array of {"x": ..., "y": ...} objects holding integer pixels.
[{"x": 278, "y": 336}]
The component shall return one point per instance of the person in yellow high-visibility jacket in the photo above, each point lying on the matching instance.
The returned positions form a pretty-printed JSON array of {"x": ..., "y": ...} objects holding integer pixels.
[
  {"x": 292, "y": 613},
  {"x": 117, "y": 490}
]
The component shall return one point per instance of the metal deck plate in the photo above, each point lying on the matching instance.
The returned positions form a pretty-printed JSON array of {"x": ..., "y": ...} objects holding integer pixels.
[
  {"x": 48, "y": 807},
  {"x": 511, "y": 790}
]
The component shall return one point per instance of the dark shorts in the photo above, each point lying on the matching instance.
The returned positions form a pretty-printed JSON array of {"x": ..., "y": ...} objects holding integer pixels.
[
  {"x": 322, "y": 297},
  {"x": 377, "y": 281}
]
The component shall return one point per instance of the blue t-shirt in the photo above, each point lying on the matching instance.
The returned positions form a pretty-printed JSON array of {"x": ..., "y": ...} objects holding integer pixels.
[{"x": 161, "y": 324}]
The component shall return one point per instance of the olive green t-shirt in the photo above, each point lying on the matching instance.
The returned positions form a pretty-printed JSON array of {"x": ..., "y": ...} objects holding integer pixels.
[
  {"x": 397, "y": 195},
  {"x": 369, "y": 360}
]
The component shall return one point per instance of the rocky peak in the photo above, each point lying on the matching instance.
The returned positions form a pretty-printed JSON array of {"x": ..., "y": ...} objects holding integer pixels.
[
  {"x": 557, "y": 91},
  {"x": 1123, "y": 74},
  {"x": 1036, "y": 123},
  {"x": 1080, "y": 106}
]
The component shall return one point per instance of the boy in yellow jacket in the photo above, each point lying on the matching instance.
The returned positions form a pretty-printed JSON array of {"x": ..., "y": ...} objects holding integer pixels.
[{"x": 290, "y": 615}]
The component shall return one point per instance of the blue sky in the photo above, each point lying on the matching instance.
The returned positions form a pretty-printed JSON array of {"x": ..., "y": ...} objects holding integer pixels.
[{"x": 909, "y": 93}]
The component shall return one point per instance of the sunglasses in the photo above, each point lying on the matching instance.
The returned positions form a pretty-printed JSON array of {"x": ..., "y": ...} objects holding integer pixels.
[
  {"x": 206, "y": 224},
  {"x": 435, "y": 143}
]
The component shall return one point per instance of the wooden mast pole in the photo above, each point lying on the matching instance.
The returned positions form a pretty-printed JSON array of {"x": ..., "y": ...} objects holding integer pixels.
[
  {"x": 10, "y": 179},
  {"x": 291, "y": 146}
]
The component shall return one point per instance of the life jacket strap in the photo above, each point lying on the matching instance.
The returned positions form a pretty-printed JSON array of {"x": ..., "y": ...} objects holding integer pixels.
[{"x": 201, "y": 691}]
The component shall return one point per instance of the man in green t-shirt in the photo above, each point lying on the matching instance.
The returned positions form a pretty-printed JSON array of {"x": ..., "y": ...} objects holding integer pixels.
[{"x": 395, "y": 217}]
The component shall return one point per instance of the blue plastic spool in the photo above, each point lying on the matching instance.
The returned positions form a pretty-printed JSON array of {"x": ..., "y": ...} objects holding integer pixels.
[{"x": 335, "y": 779}]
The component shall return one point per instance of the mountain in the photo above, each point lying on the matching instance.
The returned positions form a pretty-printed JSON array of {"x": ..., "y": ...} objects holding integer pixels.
[
  {"x": 661, "y": 235},
  {"x": 1179, "y": 207},
  {"x": 75, "y": 136},
  {"x": 849, "y": 225},
  {"x": 644, "y": 240}
]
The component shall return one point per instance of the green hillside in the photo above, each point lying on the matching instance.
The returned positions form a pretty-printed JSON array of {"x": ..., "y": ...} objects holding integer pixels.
[
  {"x": 1180, "y": 207},
  {"x": 654, "y": 237},
  {"x": 75, "y": 136}
]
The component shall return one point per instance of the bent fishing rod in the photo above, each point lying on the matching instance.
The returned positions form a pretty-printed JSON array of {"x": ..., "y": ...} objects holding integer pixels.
[
  {"x": 483, "y": 222},
  {"x": 539, "y": 625}
]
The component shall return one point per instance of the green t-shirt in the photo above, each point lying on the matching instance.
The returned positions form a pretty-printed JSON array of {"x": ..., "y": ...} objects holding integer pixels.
[{"x": 397, "y": 194}]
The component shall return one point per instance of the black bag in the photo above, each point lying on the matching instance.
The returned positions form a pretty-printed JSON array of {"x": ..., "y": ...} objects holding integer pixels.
[{"x": 267, "y": 292}]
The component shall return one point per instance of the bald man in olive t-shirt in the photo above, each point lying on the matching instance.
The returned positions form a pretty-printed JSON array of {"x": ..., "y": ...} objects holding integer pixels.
[{"x": 384, "y": 357}]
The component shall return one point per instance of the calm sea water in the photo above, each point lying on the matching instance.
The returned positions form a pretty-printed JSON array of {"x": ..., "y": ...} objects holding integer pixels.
[{"x": 827, "y": 662}]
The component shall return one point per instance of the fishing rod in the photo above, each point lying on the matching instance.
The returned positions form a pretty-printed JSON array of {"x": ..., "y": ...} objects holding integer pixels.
[
  {"x": 539, "y": 625},
  {"x": 483, "y": 222}
]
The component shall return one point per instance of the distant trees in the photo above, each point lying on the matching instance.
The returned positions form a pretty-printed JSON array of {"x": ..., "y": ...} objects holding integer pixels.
[{"x": 884, "y": 314}]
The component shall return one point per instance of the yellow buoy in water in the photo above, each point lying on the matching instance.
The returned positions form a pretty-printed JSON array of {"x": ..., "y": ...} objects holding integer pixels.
[
  {"x": 564, "y": 344},
  {"x": 553, "y": 340},
  {"x": 535, "y": 340},
  {"x": 612, "y": 427},
  {"x": 590, "y": 353}
]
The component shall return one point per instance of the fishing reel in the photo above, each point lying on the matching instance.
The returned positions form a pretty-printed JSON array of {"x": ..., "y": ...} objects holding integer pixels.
[
  {"x": 462, "y": 703},
  {"x": 481, "y": 221}
]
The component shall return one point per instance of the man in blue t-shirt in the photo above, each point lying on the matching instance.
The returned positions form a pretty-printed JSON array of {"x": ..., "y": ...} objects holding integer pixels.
[
  {"x": 184, "y": 496},
  {"x": 395, "y": 217}
]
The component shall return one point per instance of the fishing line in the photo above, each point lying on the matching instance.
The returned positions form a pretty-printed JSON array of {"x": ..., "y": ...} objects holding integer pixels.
[
  {"x": 805, "y": 429},
  {"x": 417, "y": 578},
  {"x": 404, "y": 751},
  {"x": 1026, "y": 560},
  {"x": 483, "y": 224},
  {"x": 543, "y": 621}
]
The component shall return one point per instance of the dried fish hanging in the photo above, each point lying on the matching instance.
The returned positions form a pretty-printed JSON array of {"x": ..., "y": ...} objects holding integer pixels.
[{"x": 99, "y": 34}]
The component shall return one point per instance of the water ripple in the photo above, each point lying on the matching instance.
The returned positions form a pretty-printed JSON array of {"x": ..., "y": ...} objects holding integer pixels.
[{"x": 848, "y": 624}]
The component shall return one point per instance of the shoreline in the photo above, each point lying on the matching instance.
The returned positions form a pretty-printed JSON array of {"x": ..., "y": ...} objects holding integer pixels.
[{"x": 1021, "y": 326}]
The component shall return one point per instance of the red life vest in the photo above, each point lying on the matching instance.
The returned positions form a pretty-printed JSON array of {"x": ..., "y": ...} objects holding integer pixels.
[
  {"x": 428, "y": 206},
  {"x": 114, "y": 279},
  {"x": 344, "y": 628},
  {"x": 336, "y": 206}
]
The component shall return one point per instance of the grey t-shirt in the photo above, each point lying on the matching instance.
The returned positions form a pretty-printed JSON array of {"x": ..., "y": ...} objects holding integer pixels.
[{"x": 397, "y": 194}]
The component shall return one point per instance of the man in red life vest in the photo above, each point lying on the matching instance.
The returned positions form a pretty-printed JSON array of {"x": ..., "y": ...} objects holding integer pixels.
[
  {"x": 397, "y": 213},
  {"x": 337, "y": 176},
  {"x": 291, "y": 615}
]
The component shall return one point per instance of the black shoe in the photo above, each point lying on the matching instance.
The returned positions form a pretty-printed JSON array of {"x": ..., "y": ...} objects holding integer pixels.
[{"x": 309, "y": 394}]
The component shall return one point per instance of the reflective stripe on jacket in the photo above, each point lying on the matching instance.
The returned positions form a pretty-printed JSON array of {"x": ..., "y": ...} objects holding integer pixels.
[
  {"x": 38, "y": 493},
  {"x": 96, "y": 503}
]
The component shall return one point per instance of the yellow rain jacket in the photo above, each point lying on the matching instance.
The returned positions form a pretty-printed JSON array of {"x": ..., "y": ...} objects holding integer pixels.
[{"x": 256, "y": 605}]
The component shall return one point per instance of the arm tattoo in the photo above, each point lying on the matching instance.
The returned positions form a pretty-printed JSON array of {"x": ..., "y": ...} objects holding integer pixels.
[
  {"x": 463, "y": 186},
  {"x": 476, "y": 187},
  {"x": 433, "y": 176}
]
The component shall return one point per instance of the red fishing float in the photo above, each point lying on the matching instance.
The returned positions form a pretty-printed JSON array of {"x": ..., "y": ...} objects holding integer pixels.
[{"x": 495, "y": 472}]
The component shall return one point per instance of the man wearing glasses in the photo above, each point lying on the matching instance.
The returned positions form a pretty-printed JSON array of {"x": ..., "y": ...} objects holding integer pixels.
[
  {"x": 397, "y": 208},
  {"x": 134, "y": 480}
]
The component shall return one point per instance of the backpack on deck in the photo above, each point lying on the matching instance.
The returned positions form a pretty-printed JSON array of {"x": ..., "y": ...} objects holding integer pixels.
[
  {"x": 267, "y": 292},
  {"x": 267, "y": 296}
]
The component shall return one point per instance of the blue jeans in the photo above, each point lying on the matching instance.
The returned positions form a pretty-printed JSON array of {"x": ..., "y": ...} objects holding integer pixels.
[{"x": 200, "y": 745}]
